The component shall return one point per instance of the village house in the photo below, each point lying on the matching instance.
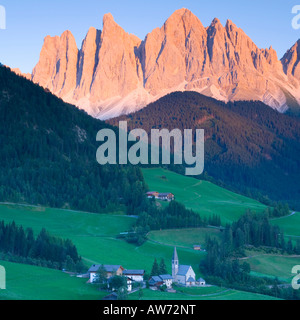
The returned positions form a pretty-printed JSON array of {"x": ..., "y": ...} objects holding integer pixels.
[
  {"x": 200, "y": 282},
  {"x": 155, "y": 281},
  {"x": 197, "y": 247},
  {"x": 152, "y": 194},
  {"x": 111, "y": 270},
  {"x": 161, "y": 196},
  {"x": 158, "y": 281},
  {"x": 166, "y": 196},
  {"x": 135, "y": 275},
  {"x": 167, "y": 280}
]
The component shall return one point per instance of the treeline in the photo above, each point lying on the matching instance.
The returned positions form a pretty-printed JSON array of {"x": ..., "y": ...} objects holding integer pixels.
[
  {"x": 174, "y": 216},
  {"x": 279, "y": 210},
  {"x": 20, "y": 245},
  {"x": 222, "y": 262}
]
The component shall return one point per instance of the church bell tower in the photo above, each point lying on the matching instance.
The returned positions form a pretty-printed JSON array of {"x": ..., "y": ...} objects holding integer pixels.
[{"x": 175, "y": 264}]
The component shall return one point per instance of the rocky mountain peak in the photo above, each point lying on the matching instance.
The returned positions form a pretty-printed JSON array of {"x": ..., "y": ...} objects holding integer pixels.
[{"x": 114, "y": 72}]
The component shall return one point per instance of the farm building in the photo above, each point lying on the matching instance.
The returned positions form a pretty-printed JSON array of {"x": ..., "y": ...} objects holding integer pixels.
[
  {"x": 135, "y": 275},
  {"x": 156, "y": 281},
  {"x": 152, "y": 194},
  {"x": 111, "y": 270},
  {"x": 201, "y": 282},
  {"x": 167, "y": 280},
  {"x": 166, "y": 196}
]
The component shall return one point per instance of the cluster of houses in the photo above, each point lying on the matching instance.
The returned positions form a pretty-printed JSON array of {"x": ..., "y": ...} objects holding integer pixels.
[
  {"x": 183, "y": 275},
  {"x": 167, "y": 196},
  {"x": 116, "y": 270}
]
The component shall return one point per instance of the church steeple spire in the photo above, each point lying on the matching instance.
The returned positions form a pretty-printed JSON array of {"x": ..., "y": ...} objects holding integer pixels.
[
  {"x": 175, "y": 264},
  {"x": 175, "y": 256}
]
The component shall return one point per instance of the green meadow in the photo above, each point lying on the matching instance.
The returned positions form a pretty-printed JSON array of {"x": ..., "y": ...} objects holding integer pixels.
[
  {"x": 274, "y": 266},
  {"x": 201, "y": 196},
  {"x": 200, "y": 294},
  {"x": 183, "y": 237},
  {"x": 25, "y": 282},
  {"x": 95, "y": 236},
  {"x": 290, "y": 225}
]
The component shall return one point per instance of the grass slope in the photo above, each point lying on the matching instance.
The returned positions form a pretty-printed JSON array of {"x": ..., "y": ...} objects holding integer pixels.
[
  {"x": 95, "y": 237},
  {"x": 24, "y": 282},
  {"x": 275, "y": 266},
  {"x": 289, "y": 224},
  {"x": 183, "y": 237},
  {"x": 201, "y": 196}
]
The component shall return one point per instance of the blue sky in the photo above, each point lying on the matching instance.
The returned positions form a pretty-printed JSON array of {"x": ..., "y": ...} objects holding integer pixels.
[{"x": 29, "y": 21}]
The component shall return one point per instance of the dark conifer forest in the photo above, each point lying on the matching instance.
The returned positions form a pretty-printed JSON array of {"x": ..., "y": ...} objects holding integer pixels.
[
  {"x": 249, "y": 147},
  {"x": 48, "y": 154}
]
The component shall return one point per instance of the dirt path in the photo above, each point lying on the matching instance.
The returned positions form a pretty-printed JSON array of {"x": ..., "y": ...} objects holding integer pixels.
[{"x": 293, "y": 213}]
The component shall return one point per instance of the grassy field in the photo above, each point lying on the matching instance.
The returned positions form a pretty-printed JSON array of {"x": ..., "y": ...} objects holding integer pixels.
[
  {"x": 95, "y": 237},
  {"x": 201, "y": 196},
  {"x": 275, "y": 266},
  {"x": 183, "y": 237},
  {"x": 290, "y": 225},
  {"x": 24, "y": 282}
]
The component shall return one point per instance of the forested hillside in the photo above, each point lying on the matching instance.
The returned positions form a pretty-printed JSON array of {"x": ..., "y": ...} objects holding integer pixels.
[
  {"x": 48, "y": 154},
  {"x": 249, "y": 147}
]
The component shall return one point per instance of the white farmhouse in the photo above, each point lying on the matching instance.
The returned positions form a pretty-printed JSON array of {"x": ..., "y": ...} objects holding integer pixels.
[
  {"x": 167, "y": 280},
  {"x": 135, "y": 275}
]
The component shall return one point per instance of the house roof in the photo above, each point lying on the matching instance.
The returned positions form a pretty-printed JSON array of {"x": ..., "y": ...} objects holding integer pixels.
[
  {"x": 165, "y": 194},
  {"x": 155, "y": 279},
  {"x": 166, "y": 277},
  {"x": 200, "y": 280},
  {"x": 182, "y": 270},
  {"x": 107, "y": 267},
  {"x": 134, "y": 272}
]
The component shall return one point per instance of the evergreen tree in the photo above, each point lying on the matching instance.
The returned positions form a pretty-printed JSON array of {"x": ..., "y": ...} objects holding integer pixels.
[
  {"x": 155, "y": 269},
  {"x": 162, "y": 267}
]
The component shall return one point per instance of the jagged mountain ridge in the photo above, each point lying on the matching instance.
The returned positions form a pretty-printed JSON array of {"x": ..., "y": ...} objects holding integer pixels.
[{"x": 117, "y": 73}]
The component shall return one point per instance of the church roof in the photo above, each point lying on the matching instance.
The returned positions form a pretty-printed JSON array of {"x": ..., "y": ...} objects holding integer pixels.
[
  {"x": 190, "y": 279},
  {"x": 182, "y": 270}
]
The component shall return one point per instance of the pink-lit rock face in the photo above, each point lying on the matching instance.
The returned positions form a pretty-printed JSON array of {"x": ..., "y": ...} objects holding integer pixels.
[{"x": 115, "y": 72}]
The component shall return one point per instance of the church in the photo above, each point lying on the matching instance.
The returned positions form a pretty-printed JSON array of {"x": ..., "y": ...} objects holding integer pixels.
[{"x": 182, "y": 274}]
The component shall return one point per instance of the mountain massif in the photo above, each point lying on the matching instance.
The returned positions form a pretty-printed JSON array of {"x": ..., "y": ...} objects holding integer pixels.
[
  {"x": 116, "y": 73},
  {"x": 249, "y": 147}
]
